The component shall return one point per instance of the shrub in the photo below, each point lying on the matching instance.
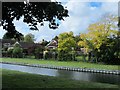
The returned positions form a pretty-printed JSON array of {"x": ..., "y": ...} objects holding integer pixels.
[
  {"x": 66, "y": 56},
  {"x": 17, "y": 52},
  {"x": 38, "y": 52}
]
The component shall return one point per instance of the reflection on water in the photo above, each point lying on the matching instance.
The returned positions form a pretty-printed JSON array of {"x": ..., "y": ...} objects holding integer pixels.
[{"x": 84, "y": 76}]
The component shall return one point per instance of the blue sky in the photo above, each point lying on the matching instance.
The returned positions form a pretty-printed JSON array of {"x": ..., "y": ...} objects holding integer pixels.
[
  {"x": 95, "y": 4},
  {"x": 82, "y": 14}
]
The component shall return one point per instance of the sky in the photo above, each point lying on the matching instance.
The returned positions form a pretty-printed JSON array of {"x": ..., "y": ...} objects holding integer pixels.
[{"x": 81, "y": 15}]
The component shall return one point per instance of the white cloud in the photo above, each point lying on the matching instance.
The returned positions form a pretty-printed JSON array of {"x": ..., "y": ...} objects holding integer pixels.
[{"x": 81, "y": 15}]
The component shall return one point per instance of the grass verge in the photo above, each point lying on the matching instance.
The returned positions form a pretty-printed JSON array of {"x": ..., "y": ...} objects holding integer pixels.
[
  {"x": 16, "y": 79},
  {"x": 61, "y": 63}
]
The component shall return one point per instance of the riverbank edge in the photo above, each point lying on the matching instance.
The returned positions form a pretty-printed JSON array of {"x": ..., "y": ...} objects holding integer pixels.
[{"x": 115, "y": 72}]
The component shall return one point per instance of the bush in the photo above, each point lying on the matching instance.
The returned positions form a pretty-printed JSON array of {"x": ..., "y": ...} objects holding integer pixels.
[
  {"x": 39, "y": 53},
  {"x": 110, "y": 51},
  {"x": 17, "y": 52},
  {"x": 66, "y": 56}
]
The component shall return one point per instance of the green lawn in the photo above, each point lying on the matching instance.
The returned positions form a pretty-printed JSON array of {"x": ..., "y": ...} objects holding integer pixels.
[
  {"x": 16, "y": 79},
  {"x": 62, "y": 63}
]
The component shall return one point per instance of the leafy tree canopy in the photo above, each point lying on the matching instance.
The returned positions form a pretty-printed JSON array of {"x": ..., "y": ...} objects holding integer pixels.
[
  {"x": 66, "y": 46},
  {"x": 8, "y": 35},
  {"x": 32, "y": 13},
  {"x": 99, "y": 32},
  {"x": 66, "y": 41},
  {"x": 29, "y": 38},
  {"x": 103, "y": 39},
  {"x": 44, "y": 42}
]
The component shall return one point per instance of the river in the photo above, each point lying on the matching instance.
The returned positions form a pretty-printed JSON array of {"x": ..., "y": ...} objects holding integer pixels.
[{"x": 83, "y": 76}]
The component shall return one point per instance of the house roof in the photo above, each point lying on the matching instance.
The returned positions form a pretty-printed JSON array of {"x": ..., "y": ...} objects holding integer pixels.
[
  {"x": 7, "y": 41},
  {"x": 29, "y": 45},
  {"x": 53, "y": 43},
  {"x": 26, "y": 44}
]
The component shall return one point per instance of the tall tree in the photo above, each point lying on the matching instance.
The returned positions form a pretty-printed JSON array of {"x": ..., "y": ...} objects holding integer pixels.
[
  {"x": 29, "y": 38},
  {"x": 66, "y": 46},
  {"x": 13, "y": 37},
  {"x": 55, "y": 38},
  {"x": 33, "y": 13},
  {"x": 77, "y": 39},
  {"x": 44, "y": 42},
  {"x": 98, "y": 34}
]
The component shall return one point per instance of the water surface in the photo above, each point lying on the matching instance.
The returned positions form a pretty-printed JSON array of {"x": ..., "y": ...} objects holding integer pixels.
[{"x": 83, "y": 76}]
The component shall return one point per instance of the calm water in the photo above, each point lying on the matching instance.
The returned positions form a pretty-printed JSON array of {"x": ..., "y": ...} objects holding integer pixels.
[{"x": 84, "y": 76}]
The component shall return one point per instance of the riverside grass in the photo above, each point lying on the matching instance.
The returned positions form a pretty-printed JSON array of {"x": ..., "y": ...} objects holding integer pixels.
[
  {"x": 79, "y": 64},
  {"x": 17, "y": 79}
]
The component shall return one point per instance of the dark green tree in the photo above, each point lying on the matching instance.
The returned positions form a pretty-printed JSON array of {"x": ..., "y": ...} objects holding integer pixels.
[
  {"x": 55, "y": 38},
  {"x": 8, "y": 35},
  {"x": 39, "y": 52},
  {"x": 33, "y": 13},
  {"x": 110, "y": 51},
  {"x": 44, "y": 42}
]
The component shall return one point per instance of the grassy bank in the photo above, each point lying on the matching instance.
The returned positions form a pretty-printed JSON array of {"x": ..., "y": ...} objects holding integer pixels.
[
  {"x": 16, "y": 79},
  {"x": 61, "y": 63}
]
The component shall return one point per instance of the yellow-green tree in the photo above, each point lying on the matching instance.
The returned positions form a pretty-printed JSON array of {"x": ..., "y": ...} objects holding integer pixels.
[
  {"x": 98, "y": 34},
  {"x": 66, "y": 45}
]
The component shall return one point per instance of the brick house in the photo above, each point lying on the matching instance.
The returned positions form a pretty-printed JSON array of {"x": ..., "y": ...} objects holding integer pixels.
[{"x": 27, "y": 47}]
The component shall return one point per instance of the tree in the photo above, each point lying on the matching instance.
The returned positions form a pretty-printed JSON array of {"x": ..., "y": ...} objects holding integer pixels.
[
  {"x": 77, "y": 39},
  {"x": 66, "y": 45},
  {"x": 13, "y": 37},
  {"x": 33, "y": 13},
  {"x": 39, "y": 52},
  {"x": 99, "y": 35},
  {"x": 44, "y": 42},
  {"x": 55, "y": 38},
  {"x": 29, "y": 38},
  {"x": 110, "y": 51}
]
